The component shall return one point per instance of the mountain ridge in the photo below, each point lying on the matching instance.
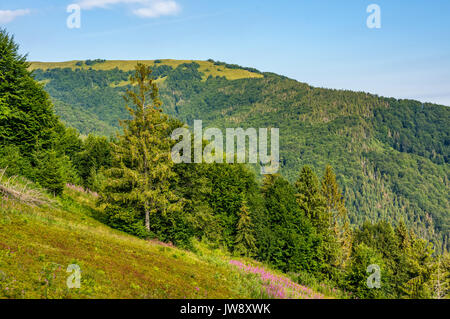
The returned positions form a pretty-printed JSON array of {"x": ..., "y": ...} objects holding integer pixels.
[{"x": 128, "y": 65}]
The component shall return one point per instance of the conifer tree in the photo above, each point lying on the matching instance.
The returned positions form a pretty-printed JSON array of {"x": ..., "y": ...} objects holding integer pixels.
[
  {"x": 245, "y": 240},
  {"x": 335, "y": 207},
  {"x": 310, "y": 199},
  {"x": 440, "y": 277},
  {"x": 312, "y": 202},
  {"x": 49, "y": 171},
  {"x": 419, "y": 268},
  {"x": 291, "y": 239},
  {"x": 139, "y": 180},
  {"x": 403, "y": 235}
]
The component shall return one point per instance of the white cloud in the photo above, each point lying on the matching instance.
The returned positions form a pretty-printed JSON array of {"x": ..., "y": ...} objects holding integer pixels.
[
  {"x": 148, "y": 8},
  {"x": 7, "y": 16},
  {"x": 157, "y": 9},
  {"x": 92, "y": 4}
]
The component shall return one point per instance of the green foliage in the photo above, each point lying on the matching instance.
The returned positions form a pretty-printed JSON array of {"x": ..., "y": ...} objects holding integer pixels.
[
  {"x": 310, "y": 199},
  {"x": 228, "y": 184},
  {"x": 26, "y": 112},
  {"x": 213, "y": 195},
  {"x": 234, "y": 66},
  {"x": 440, "y": 278},
  {"x": 49, "y": 172},
  {"x": 83, "y": 120},
  {"x": 302, "y": 228},
  {"x": 138, "y": 183},
  {"x": 313, "y": 204},
  {"x": 290, "y": 242},
  {"x": 93, "y": 62},
  {"x": 406, "y": 261},
  {"x": 245, "y": 240},
  {"x": 12, "y": 160},
  {"x": 356, "y": 278},
  {"x": 414, "y": 127},
  {"x": 194, "y": 186},
  {"x": 95, "y": 154},
  {"x": 336, "y": 210},
  {"x": 33, "y": 142},
  {"x": 91, "y": 100}
]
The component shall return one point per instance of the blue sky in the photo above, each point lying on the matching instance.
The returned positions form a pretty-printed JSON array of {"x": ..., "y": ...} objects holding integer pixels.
[{"x": 325, "y": 43}]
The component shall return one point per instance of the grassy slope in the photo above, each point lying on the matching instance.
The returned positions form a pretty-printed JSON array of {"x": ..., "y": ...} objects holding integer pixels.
[
  {"x": 206, "y": 67},
  {"x": 37, "y": 243}
]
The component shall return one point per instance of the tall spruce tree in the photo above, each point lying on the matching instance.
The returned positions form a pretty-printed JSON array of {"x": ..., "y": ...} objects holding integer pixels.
[
  {"x": 335, "y": 207},
  {"x": 245, "y": 239},
  {"x": 312, "y": 202},
  {"x": 310, "y": 199},
  {"x": 292, "y": 241},
  {"x": 138, "y": 184}
]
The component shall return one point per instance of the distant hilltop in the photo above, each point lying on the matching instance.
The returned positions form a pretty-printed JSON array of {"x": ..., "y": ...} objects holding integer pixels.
[{"x": 208, "y": 68}]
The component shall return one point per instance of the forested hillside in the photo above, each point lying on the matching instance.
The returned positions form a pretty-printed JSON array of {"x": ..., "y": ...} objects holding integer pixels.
[
  {"x": 390, "y": 156},
  {"x": 237, "y": 234}
]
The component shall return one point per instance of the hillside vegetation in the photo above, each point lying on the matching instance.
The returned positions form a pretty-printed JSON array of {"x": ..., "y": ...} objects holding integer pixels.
[
  {"x": 391, "y": 156},
  {"x": 40, "y": 236},
  {"x": 299, "y": 224}
]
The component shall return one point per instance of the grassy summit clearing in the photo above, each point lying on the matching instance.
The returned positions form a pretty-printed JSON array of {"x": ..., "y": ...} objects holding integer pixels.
[{"x": 206, "y": 67}]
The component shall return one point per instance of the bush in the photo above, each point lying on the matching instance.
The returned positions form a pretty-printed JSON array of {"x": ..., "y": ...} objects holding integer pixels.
[{"x": 14, "y": 162}]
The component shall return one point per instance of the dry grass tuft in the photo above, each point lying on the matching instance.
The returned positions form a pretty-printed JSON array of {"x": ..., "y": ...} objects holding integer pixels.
[{"x": 22, "y": 190}]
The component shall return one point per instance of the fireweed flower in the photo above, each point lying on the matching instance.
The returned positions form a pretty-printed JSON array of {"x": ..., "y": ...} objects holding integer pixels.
[{"x": 278, "y": 286}]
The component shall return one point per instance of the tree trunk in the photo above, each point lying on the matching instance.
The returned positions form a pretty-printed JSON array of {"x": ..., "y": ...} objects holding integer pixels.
[{"x": 147, "y": 217}]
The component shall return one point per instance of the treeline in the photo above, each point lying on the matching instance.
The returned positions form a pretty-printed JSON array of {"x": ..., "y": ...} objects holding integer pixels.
[
  {"x": 90, "y": 62},
  {"x": 233, "y": 66},
  {"x": 301, "y": 228}
]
